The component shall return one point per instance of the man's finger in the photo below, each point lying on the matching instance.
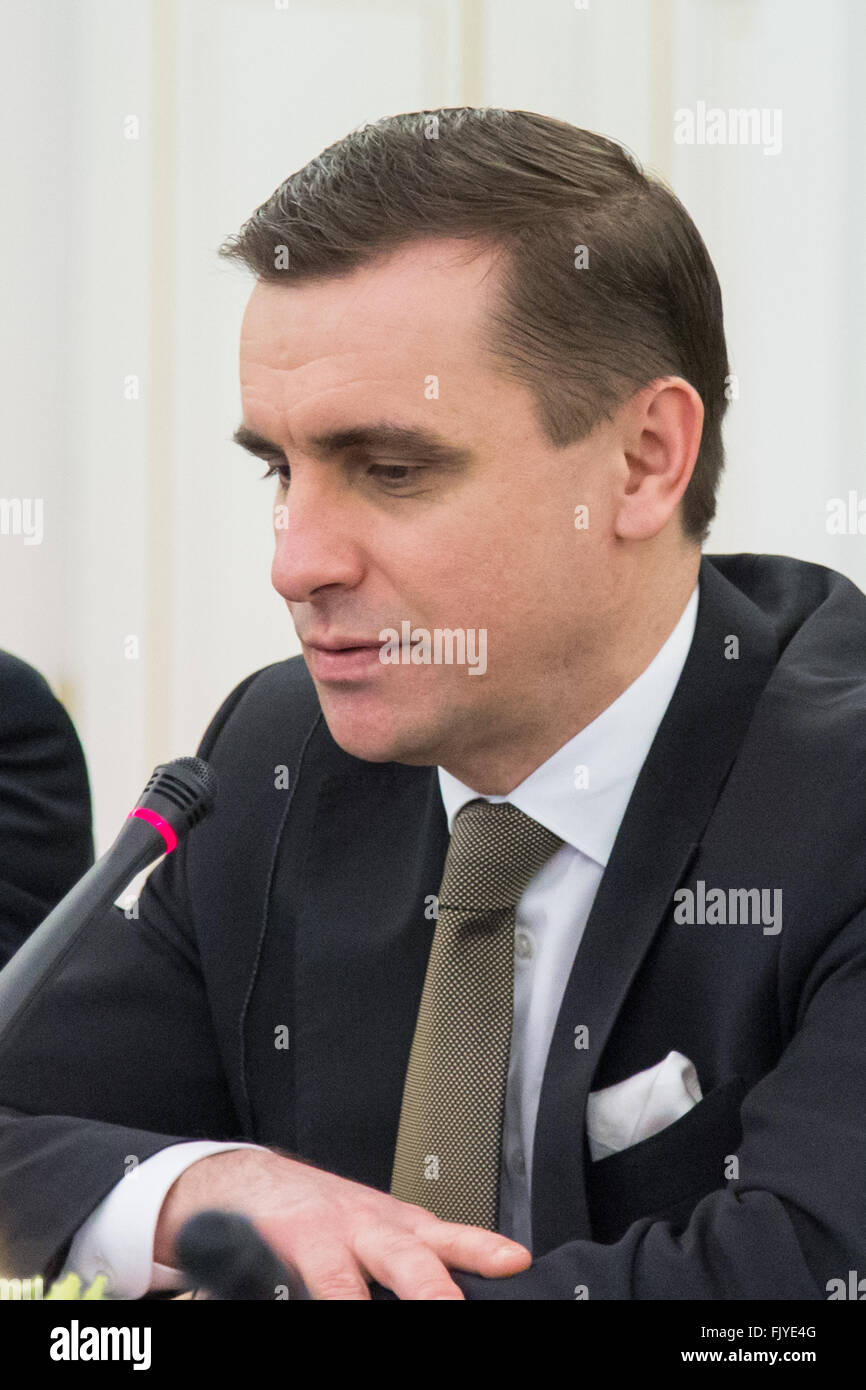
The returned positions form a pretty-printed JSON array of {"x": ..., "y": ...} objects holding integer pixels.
[
  {"x": 329, "y": 1269},
  {"x": 472, "y": 1248},
  {"x": 404, "y": 1264}
]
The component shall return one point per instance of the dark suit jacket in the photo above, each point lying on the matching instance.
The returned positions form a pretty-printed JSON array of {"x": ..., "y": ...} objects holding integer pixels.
[
  {"x": 45, "y": 836},
  {"x": 304, "y": 907}
]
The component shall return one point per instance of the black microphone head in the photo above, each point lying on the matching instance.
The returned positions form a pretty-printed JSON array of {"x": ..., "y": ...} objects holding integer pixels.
[
  {"x": 207, "y": 1241},
  {"x": 182, "y": 792},
  {"x": 222, "y": 1252},
  {"x": 201, "y": 770}
]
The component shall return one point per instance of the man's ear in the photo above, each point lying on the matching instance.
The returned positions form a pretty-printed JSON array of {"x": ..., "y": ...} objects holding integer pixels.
[{"x": 662, "y": 427}]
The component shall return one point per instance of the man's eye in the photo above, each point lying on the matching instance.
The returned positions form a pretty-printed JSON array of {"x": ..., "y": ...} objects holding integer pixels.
[
  {"x": 393, "y": 474},
  {"x": 278, "y": 468},
  {"x": 396, "y": 473}
]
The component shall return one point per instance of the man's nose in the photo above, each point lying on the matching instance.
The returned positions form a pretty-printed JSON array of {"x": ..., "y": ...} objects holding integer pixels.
[{"x": 315, "y": 543}]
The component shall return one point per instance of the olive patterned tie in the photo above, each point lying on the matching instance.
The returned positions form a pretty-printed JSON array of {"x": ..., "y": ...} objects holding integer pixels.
[{"x": 449, "y": 1142}]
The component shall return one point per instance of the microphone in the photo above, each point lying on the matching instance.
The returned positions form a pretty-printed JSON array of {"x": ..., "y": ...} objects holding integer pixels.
[
  {"x": 178, "y": 795},
  {"x": 223, "y": 1253}
]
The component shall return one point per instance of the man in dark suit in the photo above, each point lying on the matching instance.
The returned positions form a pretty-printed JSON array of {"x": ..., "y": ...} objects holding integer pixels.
[
  {"x": 533, "y": 908},
  {"x": 46, "y": 842}
]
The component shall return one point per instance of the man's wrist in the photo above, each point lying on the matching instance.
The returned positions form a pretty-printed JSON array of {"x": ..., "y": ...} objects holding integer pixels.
[{"x": 193, "y": 1190}]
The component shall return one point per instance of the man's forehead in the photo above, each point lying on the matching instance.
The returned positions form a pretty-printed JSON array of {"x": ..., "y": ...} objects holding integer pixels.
[
  {"x": 401, "y": 341},
  {"x": 425, "y": 291}
]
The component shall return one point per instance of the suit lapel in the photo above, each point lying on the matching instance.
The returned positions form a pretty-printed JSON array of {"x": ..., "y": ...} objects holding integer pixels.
[
  {"x": 673, "y": 798},
  {"x": 344, "y": 958}
]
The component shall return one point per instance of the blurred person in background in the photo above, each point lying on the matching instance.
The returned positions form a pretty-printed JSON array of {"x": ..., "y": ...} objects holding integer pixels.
[{"x": 46, "y": 840}]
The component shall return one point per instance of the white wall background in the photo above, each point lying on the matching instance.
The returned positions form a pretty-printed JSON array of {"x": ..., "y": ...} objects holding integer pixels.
[{"x": 155, "y": 526}]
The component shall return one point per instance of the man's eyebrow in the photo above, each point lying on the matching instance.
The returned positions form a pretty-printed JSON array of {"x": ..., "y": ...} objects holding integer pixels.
[
  {"x": 254, "y": 442},
  {"x": 407, "y": 441}
]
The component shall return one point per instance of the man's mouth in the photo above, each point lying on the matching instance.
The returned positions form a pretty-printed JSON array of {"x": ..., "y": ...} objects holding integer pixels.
[
  {"x": 340, "y": 644},
  {"x": 342, "y": 659}
]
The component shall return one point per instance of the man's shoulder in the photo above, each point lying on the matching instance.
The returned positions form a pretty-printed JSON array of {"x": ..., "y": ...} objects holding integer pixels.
[
  {"x": 808, "y": 732},
  {"x": 39, "y": 739},
  {"x": 818, "y": 616},
  {"x": 792, "y": 592},
  {"x": 276, "y": 702},
  {"x": 27, "y": 699}
]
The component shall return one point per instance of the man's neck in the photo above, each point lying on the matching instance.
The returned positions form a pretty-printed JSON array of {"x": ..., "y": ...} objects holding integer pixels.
[{"x": 496, "y": 770}]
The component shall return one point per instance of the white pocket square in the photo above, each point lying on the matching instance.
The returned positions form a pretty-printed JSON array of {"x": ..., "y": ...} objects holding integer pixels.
[{"x": 622, "y": 1115}]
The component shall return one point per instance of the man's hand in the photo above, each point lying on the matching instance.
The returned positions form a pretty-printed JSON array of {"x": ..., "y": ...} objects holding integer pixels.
[{"x": 339, "y": 1234}]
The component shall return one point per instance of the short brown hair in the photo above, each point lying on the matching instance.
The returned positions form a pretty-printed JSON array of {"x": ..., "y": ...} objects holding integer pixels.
[{"x": 647, "y": 305}]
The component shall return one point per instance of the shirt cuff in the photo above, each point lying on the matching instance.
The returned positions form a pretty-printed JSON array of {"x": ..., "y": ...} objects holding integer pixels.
[{"x": 116, "y": 1240}]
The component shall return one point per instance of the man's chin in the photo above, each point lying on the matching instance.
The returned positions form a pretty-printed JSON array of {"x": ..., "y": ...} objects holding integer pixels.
[{"x": 376, "y": 740}]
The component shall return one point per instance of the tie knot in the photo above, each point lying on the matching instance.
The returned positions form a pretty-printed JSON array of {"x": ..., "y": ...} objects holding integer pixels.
[{"x": 494, "y": 853}]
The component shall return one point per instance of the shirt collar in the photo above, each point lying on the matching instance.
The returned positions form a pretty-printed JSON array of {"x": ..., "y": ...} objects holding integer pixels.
[{"x": 581, "y": 792}]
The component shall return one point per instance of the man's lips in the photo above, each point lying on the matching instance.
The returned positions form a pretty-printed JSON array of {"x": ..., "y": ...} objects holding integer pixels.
[
  {"x": 336, "y": 644},
  {"x": 342, "y": 658}
]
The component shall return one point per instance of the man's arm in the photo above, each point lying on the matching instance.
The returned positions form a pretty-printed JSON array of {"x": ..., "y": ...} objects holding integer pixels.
[
  {"x": 114, "y": 1060},
  {"x": 795, "y": 1217}
]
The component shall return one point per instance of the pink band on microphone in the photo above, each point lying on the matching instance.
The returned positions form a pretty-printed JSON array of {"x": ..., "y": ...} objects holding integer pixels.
[{"x": 165, "y": 830}]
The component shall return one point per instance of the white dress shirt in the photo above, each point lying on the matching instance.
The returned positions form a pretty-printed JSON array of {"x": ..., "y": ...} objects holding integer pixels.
[{"x": 581, "y": 794}]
